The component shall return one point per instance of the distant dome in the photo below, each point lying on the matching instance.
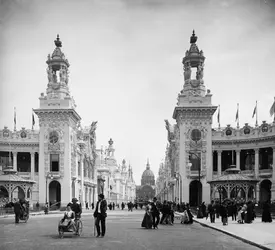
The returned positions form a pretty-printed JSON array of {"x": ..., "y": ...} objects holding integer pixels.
[
  {"x": 148, "y": 177},
  {"x": 148, "y": 172}
]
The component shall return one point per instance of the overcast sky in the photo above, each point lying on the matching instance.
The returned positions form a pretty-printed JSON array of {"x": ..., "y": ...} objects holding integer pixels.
[{"x": 126, "y": 69}]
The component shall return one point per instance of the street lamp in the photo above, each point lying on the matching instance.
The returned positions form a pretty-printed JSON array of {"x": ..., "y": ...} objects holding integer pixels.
[
  {"x": 178, "y": 176},
  {"x": 50, "y": 176}
]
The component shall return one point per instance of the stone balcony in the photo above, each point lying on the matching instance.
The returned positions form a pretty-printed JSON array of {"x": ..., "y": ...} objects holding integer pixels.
[
  {"x": 265, "y": 173},
  {"x": 249, "y": 173},
  {"x": 26, "y": 175}
]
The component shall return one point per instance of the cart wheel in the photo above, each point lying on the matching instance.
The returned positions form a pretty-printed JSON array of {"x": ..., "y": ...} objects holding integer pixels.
[
  {"x": 27, "y": 218},
  {"x": 61, "y": 233},
  {"x": 80, "y": 227}
]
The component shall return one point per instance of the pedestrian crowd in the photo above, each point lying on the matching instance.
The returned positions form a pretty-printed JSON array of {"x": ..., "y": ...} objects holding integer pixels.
[
  {"x": 168, "y": 211},
  {"x": 240, "y": 211}
]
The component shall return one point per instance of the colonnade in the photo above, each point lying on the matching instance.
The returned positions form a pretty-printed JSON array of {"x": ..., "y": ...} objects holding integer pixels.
[{"x": 238, "y": 163}]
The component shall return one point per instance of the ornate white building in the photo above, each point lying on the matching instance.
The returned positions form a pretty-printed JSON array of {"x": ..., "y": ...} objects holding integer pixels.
[
  {"x": 198, "y": 154},
  {"x": 117, "y": 183},
  {"x": 60, "y": 156}
]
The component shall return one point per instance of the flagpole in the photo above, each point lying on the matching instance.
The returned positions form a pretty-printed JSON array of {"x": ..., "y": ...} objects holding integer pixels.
[
  {"x": 14, "y": 119},
  {"x": 256, "y": 114},
  {"x": 219, "y": 117},
  {"x": 238, "y": 125},
  {"x": 33, "y": 122},
  {"x": 274, "y": 111}
]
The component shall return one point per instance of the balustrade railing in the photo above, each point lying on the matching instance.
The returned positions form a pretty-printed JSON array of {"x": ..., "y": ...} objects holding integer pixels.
[{"x": 265, "y": 171}]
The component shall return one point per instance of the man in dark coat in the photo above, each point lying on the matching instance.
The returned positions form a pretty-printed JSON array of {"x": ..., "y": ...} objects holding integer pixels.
[
  {"x": 211, "y": 211},
  {"x": 17, "y": 210},
  {"x": 100, "y": 214},
  {"x": 155, "y": 213}
]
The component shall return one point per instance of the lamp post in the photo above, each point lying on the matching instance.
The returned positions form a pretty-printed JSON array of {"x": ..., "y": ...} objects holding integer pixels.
[
  {"x": 49, "y": 175},
  {"x": 178, "y": 176}
]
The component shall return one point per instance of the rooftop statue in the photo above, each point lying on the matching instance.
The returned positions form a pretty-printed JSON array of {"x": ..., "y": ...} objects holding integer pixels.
[
  {"x": 187, "y": 71},
  {"x": 92, "y": 140},
  {"x": 199, "y": 75}
]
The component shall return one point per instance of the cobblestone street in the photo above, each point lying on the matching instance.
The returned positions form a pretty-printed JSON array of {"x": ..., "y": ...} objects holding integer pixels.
[{"x": 123, "y": 232}]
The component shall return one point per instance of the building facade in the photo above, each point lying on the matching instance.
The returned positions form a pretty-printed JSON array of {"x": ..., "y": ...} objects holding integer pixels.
[
  {"x": 117, "y": 183},
  {"x": 61, "y": 157},
  {"x": 198, "y": 153}
]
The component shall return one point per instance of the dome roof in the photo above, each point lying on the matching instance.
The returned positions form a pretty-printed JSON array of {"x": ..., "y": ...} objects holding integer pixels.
[
  {"x": 11, "y": 175},
  {"x": 148, "y": 172},
  {"x": 233, "y": 174}
]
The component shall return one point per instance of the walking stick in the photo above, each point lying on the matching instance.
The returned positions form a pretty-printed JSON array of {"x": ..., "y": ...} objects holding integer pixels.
[{"x": 94, "y": 226}]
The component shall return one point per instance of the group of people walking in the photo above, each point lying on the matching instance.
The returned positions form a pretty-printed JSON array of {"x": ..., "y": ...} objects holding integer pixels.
[
  {"x": 167, "y": 209},
  {"x": 239, "y": 211}
]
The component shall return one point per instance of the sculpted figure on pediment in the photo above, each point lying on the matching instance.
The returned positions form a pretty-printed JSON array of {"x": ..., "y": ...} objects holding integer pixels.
[
  {"x": 187, "y": 71},
  {"x": 50, "y": 74}
]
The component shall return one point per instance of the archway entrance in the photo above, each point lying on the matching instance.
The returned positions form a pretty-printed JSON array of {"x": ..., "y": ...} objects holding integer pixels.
[
  {"x": 195, "y": 193},
  {"x": 265, "y": 190},
  {"x": 55, "y": 193},
  {"x": 18, "y": 193}
]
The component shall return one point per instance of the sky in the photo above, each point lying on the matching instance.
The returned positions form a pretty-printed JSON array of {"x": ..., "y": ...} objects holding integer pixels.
[{"x": 126, "y": 69}]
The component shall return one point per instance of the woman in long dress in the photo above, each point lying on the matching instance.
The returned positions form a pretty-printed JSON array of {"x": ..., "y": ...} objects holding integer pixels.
[
  {"x": 147, "y": 221},
  {"x": 266, "y": 215}
]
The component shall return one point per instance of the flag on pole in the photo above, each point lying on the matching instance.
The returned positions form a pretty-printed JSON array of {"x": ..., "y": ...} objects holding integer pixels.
[
  {"x": 14, "y": 119},
  {"x": 237, "y": 114},
  {"x": 33, "y": 121},
  {"x": 255, "y": 110},
  {"x": 272, "y": 109},
  {"x": 218, "y": 117}
]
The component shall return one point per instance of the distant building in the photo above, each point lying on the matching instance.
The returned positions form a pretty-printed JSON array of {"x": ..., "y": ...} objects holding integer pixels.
[
  {"x": 146, "y": 191},
  {"x": 116, "y": 182}
]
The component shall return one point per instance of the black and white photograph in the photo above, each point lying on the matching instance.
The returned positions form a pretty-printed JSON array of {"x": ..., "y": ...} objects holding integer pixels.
[{"x": 137, "y": 124}]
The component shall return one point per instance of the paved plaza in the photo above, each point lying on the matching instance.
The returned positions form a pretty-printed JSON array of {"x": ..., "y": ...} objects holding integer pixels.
[
  {"x": 123, "y": 232},
  {"x": 258, "y": 232}
]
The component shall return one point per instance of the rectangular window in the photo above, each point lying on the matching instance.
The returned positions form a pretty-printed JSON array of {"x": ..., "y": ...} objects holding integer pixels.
[
  {"x": 195, "y": 159},
  {"x": 78, "y": 168},
  {"x": 54, "y": 162}
]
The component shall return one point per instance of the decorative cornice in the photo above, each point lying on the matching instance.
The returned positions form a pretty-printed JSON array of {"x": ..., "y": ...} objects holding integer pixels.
[
  {"x": 41, "y": 113},
  {"x": 19, "y": 144},
  {"x": 243, "y": 141},
  {"x": 194, "y": 112}
]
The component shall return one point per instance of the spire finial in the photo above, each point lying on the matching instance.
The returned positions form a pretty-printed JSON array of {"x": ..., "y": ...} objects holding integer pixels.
[
  {"x": 193, "y": 38},
  {"x": 57, "y": 42}
]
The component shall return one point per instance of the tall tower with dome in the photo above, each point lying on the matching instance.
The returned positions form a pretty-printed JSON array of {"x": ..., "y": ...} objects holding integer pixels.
[
  {"x": 58, "y": 121},
  {"x": 193, "y": 137}
]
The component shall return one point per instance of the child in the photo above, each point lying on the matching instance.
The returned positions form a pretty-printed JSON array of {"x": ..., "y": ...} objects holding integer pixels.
[{"x": 68, "y": 218}]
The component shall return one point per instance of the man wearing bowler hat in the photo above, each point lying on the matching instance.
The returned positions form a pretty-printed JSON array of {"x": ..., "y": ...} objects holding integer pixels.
[{"x": 100, "y": 215}]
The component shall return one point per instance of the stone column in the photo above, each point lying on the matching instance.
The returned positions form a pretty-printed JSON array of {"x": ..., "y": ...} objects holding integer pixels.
[
  {"x": 219, "y": 162},
  {"x": 14, "y": 160},
  {"x": 257, "y": 192},
  {"x": 273, "y": 165},
  {"x": 32, "y": 165},
  {"x": 256, "y": 170},
  {"x": 238, "y": 165},
  {"x": 82, "y": 180}
]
